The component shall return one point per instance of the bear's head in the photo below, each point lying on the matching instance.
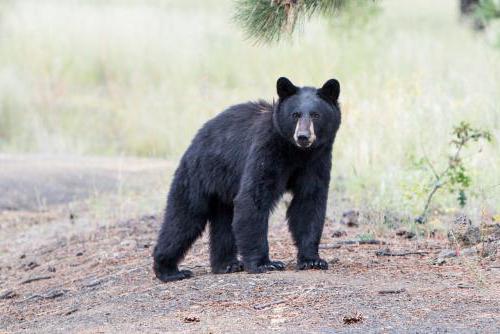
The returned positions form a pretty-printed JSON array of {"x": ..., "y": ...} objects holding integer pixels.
[{"x": 306, "y": 116}]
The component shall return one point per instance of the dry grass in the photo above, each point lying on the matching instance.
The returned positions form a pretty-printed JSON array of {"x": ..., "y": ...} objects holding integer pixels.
[{"x": 140, "y": 77}]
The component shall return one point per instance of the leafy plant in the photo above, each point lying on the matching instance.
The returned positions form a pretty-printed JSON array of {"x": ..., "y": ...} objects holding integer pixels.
[
  {"x": 488, "y": 10},
  {"x": 454, "y": 176}
]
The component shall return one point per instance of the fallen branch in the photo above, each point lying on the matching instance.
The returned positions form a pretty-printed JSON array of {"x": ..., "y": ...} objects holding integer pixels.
[
  {"x": 388, "y": 292},
  {"x": 329, "y": 246},
  {"x": 387, "y": 252},
  {"x": 34, "y": 279},
  {"x": 362, "y": 242},
  {"x": 338, "y": 244}
]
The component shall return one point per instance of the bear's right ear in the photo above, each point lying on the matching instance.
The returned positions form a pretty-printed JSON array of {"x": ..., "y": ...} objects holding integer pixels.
[
  {"x": 285, "y": 88},
  {"x": 330, "y": 90}
]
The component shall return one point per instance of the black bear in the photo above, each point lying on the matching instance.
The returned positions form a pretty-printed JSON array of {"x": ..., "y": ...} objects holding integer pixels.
[{"x": 236, "y": 169}]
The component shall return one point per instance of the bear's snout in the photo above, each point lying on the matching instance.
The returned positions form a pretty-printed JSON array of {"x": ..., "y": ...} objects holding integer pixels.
[{"x": 304, "y": 135}]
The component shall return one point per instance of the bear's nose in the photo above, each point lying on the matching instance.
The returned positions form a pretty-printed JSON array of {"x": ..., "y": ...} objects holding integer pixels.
[{"x": 303, "y": 137}]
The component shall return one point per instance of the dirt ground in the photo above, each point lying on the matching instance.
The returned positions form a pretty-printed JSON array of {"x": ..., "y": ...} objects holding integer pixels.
[{"x": 64, "y": 270}]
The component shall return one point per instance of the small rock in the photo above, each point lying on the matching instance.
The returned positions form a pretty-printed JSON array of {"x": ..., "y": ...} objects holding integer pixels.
[
  {"x": 439, "y": 261},
  {"x": 79, "y": 253},
  {"x": 31, "y": 265},
  {"x": 54, "y": 294},
  {"x": 490, "y": 249},
  {"x": 22, "y": 256},
  {"x": 468, "y": 251},
  {"x": 7, "y": 294},
  {"x": 352, "y": 318},
  {"x": 129, "y": 244},
  {"x": 490, "y": 231},
  {"x": 190, "y": 319},
  {"x": 92, "y": 282},
  {"x": 405, "y": 234},
  {"x": 350, "y": 218},
  {"x": 51, "y": 269},
  {"x": 339, "y": 233},
  {"x": 446, "y": 253},
  {"x": 463, "y": 232}
]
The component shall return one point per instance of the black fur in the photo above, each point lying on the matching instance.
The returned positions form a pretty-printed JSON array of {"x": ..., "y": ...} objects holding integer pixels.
[{"x": 237, "y": 168}]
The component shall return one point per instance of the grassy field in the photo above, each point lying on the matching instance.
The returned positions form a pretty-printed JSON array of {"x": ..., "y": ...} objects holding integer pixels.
[{"x": 139, "y": 78}]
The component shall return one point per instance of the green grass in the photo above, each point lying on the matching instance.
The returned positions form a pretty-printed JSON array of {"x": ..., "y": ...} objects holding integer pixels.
[{"x": 140, "y": 77}]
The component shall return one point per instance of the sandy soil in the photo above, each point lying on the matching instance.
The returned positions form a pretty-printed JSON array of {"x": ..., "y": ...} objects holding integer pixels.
[{"x": 99, "y": 280}]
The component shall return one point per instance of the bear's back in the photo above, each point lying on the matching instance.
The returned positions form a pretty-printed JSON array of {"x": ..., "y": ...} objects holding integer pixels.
[{"x": 217, "y": 154}]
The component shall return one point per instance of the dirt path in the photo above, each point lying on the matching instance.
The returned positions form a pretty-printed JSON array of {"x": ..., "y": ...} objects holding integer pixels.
[{"x": 100, "y": 280}]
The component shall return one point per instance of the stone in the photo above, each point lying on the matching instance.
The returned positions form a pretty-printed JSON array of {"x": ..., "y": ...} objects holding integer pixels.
[
  {"x": 490, "y": 231},
  {"x": 439, "y": 261},
  {"x": 405, "y": 234},
  {"x": 7, "y": 294},
  {"x": 490, "y": 249},
  {"x": 472, "y": 251},
  {"x": 463, "y": 233},
  {"x": 350, "y": 218},
  {"x": 129, "y": 244},
  {"x": 446, "y": 253},
  {"x": 339, "y": 233}
]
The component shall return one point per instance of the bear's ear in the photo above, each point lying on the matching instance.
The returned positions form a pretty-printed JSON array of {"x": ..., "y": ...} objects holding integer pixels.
[
  {"x": 285, "y": 88},
  {"x": 330, "y": 90}
]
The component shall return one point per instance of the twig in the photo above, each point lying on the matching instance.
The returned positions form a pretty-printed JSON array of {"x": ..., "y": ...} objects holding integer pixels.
[
  {"x": 329, "y": 246},
  {"x": 34, "y": 279},
  {"x": 263, "y": 306},
  {"x": 388, "y": 292},
  {"x": 386, "y": 252},
  {"x": 428, "y": 161},
  {"x": 437, "y": 185},
  {"x": 362, "y": 242},
  {"x": 439, "y": 179},
  {"x": 338, "y": 244}
]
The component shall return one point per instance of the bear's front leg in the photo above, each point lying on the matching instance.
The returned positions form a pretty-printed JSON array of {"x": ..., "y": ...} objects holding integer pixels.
[
  {"x": 252, "y": 206},
  {"x": 306, "y": 217},
  {"x": 250, "y": 228}
]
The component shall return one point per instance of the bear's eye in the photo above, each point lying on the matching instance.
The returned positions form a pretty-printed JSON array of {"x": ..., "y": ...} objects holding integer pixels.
[
  {"x": 296, "y": 115},
  {"x": 315, "y": 115}
]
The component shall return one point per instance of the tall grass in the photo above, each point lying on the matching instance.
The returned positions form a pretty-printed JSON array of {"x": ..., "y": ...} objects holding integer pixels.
[{"x": 140, "y": 77}]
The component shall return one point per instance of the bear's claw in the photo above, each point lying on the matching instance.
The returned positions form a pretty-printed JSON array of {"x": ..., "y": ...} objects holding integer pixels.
[
  {"x": 232, "y": 267},
  {"x": 268, "y": 266},
  {"x": 174, "y": 276},
  {"x": 312, "y": 264}
]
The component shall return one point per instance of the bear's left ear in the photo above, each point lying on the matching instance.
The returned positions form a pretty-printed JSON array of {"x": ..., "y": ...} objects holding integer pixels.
[
  {"x": 330, "y": 90},
  {"x": 285, "y": 88}
]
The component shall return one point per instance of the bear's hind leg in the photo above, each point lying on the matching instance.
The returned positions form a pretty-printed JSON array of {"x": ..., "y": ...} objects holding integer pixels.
[
  {"x": 178, "y": 232},
  {"x": 223, "y": 251}
]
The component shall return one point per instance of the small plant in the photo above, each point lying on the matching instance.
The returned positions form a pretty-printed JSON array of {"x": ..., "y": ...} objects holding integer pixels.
[
  {"x": 366, "y": 236},
  {"x": 454, "y": 177},
  {"x": 487, "y": 10}
]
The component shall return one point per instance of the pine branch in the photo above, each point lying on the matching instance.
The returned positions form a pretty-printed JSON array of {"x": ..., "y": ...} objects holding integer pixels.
[{"x": 268, "y": 20}]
